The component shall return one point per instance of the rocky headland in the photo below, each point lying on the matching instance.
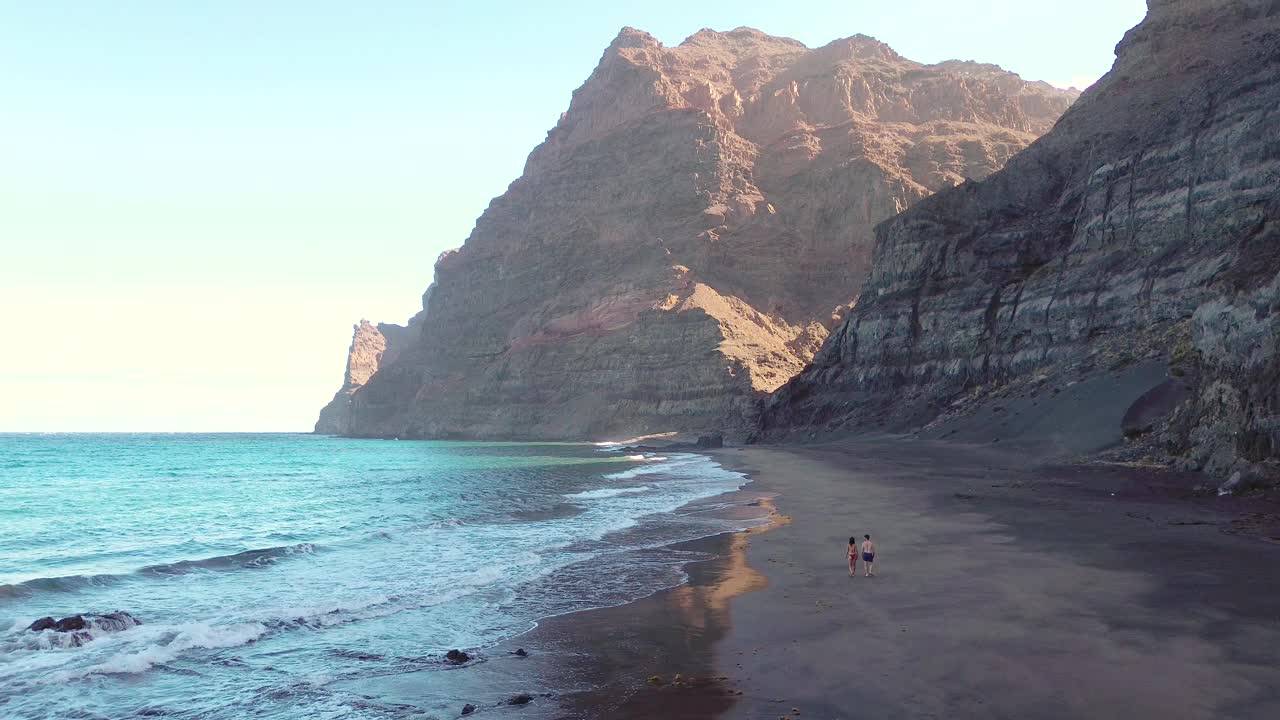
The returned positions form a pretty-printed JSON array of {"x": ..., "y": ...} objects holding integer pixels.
[
  {"x": 371, "y": 345},
  {"x": 684, "y": 240}
]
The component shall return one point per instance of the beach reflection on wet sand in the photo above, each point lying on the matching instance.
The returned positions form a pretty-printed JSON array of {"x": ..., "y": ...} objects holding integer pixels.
[{"x": 651, "y": 657}]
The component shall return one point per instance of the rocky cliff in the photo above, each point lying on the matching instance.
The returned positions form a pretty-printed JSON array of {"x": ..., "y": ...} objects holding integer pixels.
[
  {"x": 685, "y": 237},
  {"x": 1143, "y": 228},
  {"x": 371, "y": 346}
]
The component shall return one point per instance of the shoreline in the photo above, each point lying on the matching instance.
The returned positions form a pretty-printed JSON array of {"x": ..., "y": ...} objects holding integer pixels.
[
  {"x": 592, "y": 662},
  {"x": 1004, "y": 590},
  {"x": 653, "y": 656}
]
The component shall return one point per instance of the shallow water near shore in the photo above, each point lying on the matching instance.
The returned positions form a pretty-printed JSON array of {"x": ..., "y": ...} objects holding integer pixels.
[{"x": 270, "y": 571}]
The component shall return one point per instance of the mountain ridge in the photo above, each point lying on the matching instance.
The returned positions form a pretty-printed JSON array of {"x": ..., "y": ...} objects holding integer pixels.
[{"x": 685, "y": 237}]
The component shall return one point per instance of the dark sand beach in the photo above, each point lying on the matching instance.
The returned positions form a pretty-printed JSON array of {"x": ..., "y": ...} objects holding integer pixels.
[
  {"x": 1079, "y": 591},
  {"x": 1003, "y": 590}
]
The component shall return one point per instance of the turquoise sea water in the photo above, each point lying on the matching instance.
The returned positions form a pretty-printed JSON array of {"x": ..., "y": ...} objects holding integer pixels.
[{"x": 260, "y": 566}]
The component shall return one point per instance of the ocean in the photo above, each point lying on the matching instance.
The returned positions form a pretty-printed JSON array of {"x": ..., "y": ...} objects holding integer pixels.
[{"x": 267, "y": 571}]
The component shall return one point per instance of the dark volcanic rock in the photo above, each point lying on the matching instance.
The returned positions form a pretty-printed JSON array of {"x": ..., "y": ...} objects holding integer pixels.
[
  {"x": 468, "y": 709},
  {"x": 71, "y": 624},
  {"x": 683, "y": 240},
  {"x": 707, "y": 442},
  {"x": 115, "y": 621},
  {"x": 44, "y": 623},
  {"x": 457, "y": 657},
  {"x": 108, "y": 622},
  {"x": 1146, "y": 224},
  {"x": 1154, "y": 407},
  {"x": 520, "y": 700},
  {"x": 76, "y": 630}
]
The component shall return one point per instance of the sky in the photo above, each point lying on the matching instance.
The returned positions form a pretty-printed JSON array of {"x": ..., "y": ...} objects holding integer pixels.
[{"x": 198, "y": 200}]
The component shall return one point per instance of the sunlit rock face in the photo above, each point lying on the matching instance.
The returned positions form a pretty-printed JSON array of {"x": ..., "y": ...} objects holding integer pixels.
[
  {"x": 1143, "y": 226},
  {"x": 685, "y": 237},
  {"x": 371, "y": 345}
]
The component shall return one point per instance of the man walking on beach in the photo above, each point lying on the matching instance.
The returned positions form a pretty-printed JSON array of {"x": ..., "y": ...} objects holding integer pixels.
[{"x": 868, "y": 555}]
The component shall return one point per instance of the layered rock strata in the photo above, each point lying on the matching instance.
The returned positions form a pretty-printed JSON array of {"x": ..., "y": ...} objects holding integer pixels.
[
  {"x": 1144, "y": 225},
  {"x": 685, "y": 237}
]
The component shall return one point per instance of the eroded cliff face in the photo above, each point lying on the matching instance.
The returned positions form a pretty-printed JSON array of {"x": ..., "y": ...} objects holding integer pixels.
[
  {"x": 1144, "y": 225},
  {"x": 371, "y": 346},
  {"x": 686, "y": 236}
]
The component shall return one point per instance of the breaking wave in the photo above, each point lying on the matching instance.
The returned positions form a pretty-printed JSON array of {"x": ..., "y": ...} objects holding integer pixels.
[
  {"x": 415, "y": 549},
  {"x": 74, "y": 583},
  {"x": 246, "y": 559},
  {"x": 666, "y": 465},
  {"x": 161, "y": 645},
  {"x": 608, "y": 492},
  {"x": 66, "y": 583}
]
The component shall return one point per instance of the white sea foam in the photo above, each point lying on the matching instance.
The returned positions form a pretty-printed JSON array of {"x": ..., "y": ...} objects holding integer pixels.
[
  {"x": 162, "y": 644},
  {"x": 454, "y": 561},
  {"x": 672, "y": 483},
  {"x": 322, "y": 614},
  {"x": 446, "y": 524},
  {"x": 646, "y": 458},
  {"x": 603, "y": 493},
  {"x": 672, "y": 465}
]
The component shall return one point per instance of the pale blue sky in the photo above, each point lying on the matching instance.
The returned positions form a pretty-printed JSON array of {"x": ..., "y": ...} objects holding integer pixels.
[{"x": 197, "y": 199}]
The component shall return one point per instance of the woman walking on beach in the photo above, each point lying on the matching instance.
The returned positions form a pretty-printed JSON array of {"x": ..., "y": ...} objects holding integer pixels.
[
  {"x": 868, "y": 555},
  {"x": 853, "y": 556}
]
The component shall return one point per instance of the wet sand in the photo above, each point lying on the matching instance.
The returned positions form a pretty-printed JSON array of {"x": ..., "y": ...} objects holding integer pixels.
[
  {"x": 598, "y": 663},
  {"x": 1003, "y": 591}
]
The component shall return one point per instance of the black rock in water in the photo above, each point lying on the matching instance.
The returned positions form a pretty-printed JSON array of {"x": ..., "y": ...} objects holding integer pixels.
[
  {"x": 80, "y": 625},
  {"x": 44, "y": 623},
  {"x": 468, "y": 709},
  {"x": 114, "y": 621},
  {"x": 71, "y": 624},
  {"x": 457, "y": 657}
]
